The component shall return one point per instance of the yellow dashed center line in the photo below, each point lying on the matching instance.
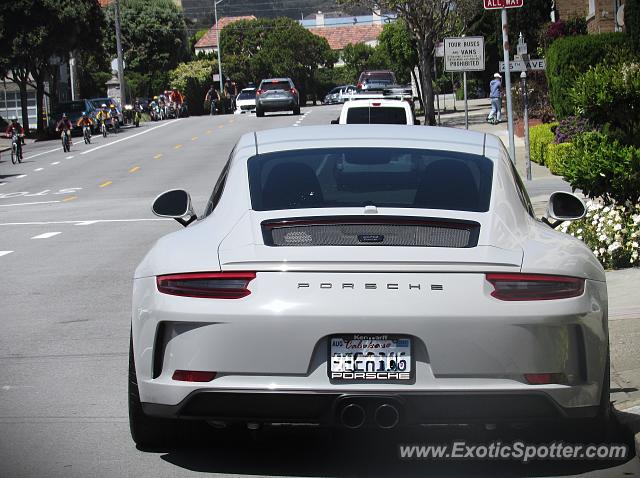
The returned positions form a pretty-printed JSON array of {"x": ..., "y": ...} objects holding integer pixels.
[
  {"x": 231, "y": 121},
  {"x": 194, "y": 138},
  {"x": 106, "y": 183},
  {"x": 158, "y": 156},
  {"x": 70, "y": 198},
  {"x": 177, "y": 146},
  {"x": 209, "y": 131},
  {"x": 134, "y": 169},
  {"x": 221, "y": 126}
]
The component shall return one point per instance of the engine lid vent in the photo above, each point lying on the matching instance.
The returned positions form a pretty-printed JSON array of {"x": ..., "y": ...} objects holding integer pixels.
[{"x": 367, "y": 231}]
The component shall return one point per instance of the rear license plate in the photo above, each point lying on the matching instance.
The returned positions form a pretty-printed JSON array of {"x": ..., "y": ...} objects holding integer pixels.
[{"x": 364, "y": 357}]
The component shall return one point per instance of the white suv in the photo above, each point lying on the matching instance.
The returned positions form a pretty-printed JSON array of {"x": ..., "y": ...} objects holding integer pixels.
[{"x": 376, "y": 111}]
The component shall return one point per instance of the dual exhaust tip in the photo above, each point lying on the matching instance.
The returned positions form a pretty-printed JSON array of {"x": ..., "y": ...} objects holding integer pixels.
[{"x": 385, "y": 416}]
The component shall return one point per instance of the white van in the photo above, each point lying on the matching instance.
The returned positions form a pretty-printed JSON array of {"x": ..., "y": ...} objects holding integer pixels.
[{"x": 376, "y": 111}]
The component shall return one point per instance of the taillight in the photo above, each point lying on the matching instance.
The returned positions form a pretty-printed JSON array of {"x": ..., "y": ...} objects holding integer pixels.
[
  {"x": 545, "y": 378},
  {"x": 359, "y": 86},
  {"x": 259, "y": 92},
  {"x": 193, "y": 376},
  {"x": 210, "y": 285},
  {"x": 534, "y": 286},
  {"x": 293, "y": 90}
]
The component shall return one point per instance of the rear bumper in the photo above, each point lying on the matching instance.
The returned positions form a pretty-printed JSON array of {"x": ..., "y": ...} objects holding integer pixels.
[
  {"x": 324, "y": 408},
  {"x": 277, "y": 104}
]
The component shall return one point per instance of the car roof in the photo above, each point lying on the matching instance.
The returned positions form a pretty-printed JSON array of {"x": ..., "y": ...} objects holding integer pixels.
[
  {"x": 381, "y": 102},
  {"x": 373, "y": 135},
  {"x": 276, "y": 79}
]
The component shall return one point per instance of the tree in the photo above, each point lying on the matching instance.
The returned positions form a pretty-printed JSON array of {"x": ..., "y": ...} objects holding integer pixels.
[
  {"x": 34, "y": 31},
  {"x": 428, "y": 22},
  {"x": 154, "y": 40},
  {"x": 193, "y": 79},
  {"x": 396, "y": 41},
  {"x": 257, "y": 49}
]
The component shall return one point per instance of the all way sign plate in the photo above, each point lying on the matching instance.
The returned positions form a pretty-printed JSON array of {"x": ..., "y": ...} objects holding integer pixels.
[
  {"x": 498, "y": 4},
  {"x": 528, "y": 65}
]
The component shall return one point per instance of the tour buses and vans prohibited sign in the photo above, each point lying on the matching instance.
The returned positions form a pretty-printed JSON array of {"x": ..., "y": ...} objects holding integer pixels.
[{"x": 464, "y": 54}]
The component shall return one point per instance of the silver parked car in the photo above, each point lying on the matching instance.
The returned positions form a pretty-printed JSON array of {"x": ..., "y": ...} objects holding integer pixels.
[{"x": 277, "y": 94}]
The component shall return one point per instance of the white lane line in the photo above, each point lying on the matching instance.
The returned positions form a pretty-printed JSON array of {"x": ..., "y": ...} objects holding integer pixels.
[
  {"x": 80, "y": 222},
  {"x": 69, "y": 157},
  {"x": 46, "y": 235},
  {"x": 55, "y": 162},
  {"x": 2, "y": 184},
  {"x": 129, "y": 137},
  {"x": 40, "y": 154},
  {"x": 297, "y": 124},
  {"x": 38, "y": 169},
  {"x": 4, "y": 253},
  {"x": 27, "y": 203},
  {"x": 21, "y": 176}
]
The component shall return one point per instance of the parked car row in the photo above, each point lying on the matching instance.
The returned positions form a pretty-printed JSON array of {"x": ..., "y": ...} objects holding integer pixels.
[{"x": 74, "y": 110}]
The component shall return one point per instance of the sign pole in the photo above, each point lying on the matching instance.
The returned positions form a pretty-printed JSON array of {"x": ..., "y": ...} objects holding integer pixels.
[
  {"x": 527, "y": 153},
  {"x": 507, "y": 77},
  {"x": 466, "y": 106}
]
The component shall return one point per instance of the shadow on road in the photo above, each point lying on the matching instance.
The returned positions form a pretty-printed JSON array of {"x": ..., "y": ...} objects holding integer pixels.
[{"x": 304, "y": 452}]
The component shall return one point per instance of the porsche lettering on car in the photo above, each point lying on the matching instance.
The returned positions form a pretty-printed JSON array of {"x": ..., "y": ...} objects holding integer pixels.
[{"x": 367, "y": 276}]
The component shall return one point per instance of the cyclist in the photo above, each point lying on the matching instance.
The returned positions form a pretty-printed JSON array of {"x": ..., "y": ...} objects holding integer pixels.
[
  {"x": 114, "y": 117},
  {"x": 14, "y": 125},
  {"x": 65, "y": 126},
  {"x": 103, "y": 114},
  {"x": 85, "y": 121},
  {"x": 212, "y": 99}
]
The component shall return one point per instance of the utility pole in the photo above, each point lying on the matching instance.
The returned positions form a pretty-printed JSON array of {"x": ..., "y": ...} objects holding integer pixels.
[
  {"x": 215, "y": 13},
  {"x": 123, "y": 97},
  {"x": 507, "y": 81}
]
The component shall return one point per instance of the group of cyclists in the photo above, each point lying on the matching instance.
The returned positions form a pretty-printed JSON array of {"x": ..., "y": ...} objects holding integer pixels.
[
  {"x": 221, "y": 104},
  {"x": 169, "y": 104}
]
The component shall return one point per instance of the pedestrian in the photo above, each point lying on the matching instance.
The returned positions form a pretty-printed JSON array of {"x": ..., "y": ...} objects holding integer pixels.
[{"x": 495, "y": 93}]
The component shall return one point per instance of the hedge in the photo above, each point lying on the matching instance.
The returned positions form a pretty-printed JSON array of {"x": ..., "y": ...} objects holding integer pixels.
[
  {"x": 569, "y": 57},
  {"x": 540, "y": 137},
  {"x": 557, "y": 157},
  {"x": 602, "y": 168}
]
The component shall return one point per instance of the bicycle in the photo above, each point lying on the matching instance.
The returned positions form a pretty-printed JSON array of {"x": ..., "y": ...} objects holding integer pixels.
[
  {"x": 136, "y": 118},
  {"x": 16, "y": 147},
  {"x": 115, "y": 124},
  {"x": 103, "y": 128},
  {"x": 86, "y": 133},
  {"x": 66, "y": 143}
]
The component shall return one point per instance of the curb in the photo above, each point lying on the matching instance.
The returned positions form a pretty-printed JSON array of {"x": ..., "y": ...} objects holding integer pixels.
[{"x": 628, "y": 413}]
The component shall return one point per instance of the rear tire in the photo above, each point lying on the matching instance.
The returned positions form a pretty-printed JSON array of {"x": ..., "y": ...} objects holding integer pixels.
[
  {"x": 296, "y": 111},
  {"x": 14, "y": 154},
  {"x": 146, "y": 431},
  {"x": 259, "y": 112}
]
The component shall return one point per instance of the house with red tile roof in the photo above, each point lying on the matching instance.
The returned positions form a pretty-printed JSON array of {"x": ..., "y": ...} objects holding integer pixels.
[{"x": 209, "y": 42}]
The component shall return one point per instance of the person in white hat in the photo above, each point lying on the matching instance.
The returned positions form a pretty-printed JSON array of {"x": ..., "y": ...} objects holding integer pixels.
[{"x": 495, "y": 93}]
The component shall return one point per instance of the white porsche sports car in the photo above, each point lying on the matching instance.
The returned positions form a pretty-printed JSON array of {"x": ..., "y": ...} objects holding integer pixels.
[{"x": 367, "y": 276}]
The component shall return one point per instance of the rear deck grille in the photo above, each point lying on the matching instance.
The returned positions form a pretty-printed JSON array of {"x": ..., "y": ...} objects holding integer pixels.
[{"x": 350, "y": 231}]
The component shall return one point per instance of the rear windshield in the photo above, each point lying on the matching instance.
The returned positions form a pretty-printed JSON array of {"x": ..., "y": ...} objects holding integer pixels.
[
  {"x": 377, "y": 115},
  {"x": 357, "y": 177},
  {"x": 247, "y": 95},
  {"x": 275, "y": 85},
  {"x": 70, "y": 106},
  {"x": 378, "y": 77}
]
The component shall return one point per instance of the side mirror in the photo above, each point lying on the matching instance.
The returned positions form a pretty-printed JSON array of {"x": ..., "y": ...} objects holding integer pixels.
[
  {"x": 176, "y": 204},
  {"x": 335, "y": 121},
  {"x": 562, "y": 207}
]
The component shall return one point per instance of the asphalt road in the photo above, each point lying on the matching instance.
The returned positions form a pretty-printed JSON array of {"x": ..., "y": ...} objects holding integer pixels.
[{"x": 73, "y": 227}]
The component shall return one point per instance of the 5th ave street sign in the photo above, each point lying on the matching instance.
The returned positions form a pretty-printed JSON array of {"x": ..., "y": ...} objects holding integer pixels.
[
  {"x": 522, "y": 65},
  {"x": 498, "y": 4}
]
